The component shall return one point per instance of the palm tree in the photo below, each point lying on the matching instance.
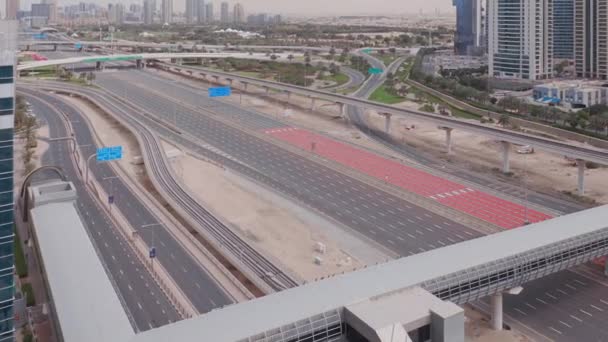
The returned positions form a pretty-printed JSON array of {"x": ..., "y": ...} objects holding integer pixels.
[{"x": 504, "y": 120}]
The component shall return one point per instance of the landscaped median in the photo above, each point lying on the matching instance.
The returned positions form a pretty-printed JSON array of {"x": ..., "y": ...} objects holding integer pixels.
[{"x": 382, "y": 94}]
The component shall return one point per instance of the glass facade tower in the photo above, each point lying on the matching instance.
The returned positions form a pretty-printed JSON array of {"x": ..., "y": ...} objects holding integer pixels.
[
  {"x": 563, "y": 29},
  {"x": 8, "y": 47}
]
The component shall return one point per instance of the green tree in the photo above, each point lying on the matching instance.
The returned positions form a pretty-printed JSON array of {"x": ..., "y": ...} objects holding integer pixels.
[{"x": 504, "y": 120}]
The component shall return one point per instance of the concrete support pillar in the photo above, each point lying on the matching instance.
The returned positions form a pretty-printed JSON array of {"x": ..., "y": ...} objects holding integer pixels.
[
  {"x": 199, "y": 61},
  {"x": 342, "y": 109},
  {"x": 267, "y": 90},
  {"x": 98, "y": 65},
  {"x": 288, "y": 96},
  {"x": 581, "y": 176},
  {"x": 606, "y": 267},
  {"x": 497, "y": 311},
  {"x": 138, "y": 63},
  {"x": 180, "y": 61},
  {"x": 387, "y": 122},
  {"x": 448, "y": 139},
  {"x": 506, "y": 146},
  {"x": 173, "y": 60},
  {"x": 217, "y": 79},
  {"x": 54, "y": 47},
  {"x": 313, "y": 104},
  {"x": 27, "y": 48},
  {"x": 229, "y": 81},
  {"x": 245, "y": 86}
]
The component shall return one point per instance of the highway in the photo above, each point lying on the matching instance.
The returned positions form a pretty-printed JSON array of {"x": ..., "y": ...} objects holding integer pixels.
[
  {"x": 195, "y": 282},
  {"x": 144, "y": 301},
  {"x": 401, "y": 226}
]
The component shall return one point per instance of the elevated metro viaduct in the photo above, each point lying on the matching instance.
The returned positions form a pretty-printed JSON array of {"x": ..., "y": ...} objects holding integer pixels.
[{"x": 414, "y": 298}]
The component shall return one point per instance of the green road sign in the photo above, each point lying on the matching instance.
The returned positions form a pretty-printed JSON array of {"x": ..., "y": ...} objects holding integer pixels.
[
  {"x": 374, "y": 71},
  {"x": 368, "y": 50}
]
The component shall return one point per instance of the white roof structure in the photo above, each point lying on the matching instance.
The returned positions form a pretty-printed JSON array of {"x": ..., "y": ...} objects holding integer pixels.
[
  {"x": 84, "y": 300},
  {"x": 240, "y": 321}
]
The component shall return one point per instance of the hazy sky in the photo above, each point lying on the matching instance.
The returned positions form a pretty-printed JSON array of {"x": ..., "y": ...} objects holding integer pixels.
[{"x": 305, "y": 7}]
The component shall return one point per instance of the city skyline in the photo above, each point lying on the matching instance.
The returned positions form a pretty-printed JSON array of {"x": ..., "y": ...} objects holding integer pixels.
[{"x": 311, "y": 8}]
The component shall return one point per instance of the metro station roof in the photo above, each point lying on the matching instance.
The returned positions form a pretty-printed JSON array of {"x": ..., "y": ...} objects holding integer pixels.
[
  {"x": 85, "y": 302},
  {"x": 237, "y": 322}
]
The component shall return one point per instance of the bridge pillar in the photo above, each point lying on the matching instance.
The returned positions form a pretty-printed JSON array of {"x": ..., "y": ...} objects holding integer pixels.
[
  {"x": 267, "y": 90},
  {"x": 244, "y": 85},
  {"x": 313, "y": 104},
  {"x": 448, "y": 139},
  {"x": 506, "y": 146},
  {"x": 497, "y": 311},
  {"x": 387, "y": 122},
  {"x": 27, "y": 48},
  {"x": 180, "y": 61},
  {"x": 138, "y": 63},
  {"x": 581, "y": 176},
  {"x": 54, "y": 47},
  {"x": 342, "y": 109},
  {"x": 98, "y": 65},
  {"x": 288, "y": 96},
  {"x": 216, "y": 78},
  {"x": 229, "y": 81},
  {"x": 199, "y": 61}
]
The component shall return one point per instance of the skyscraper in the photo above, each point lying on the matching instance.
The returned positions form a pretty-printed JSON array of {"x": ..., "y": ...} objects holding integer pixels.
[
  {"x": 239, "y": 13},
  {"x": 52, "y": 10},
  {"x": 590, "y": 38},
  {"x": 167, "y": 11},
  {"x": 520, "y": 38},
  {"x": 200, "y": 11},
  {"x": 563, "y": 29},
  {"x": 191, "y": 11},
  {"x": 12, "y": 7},
  {"x": 209, "y": 12},
  {"x": 148, "y": 13},
  {"x": 224, "y": 12},
  {"x": 8, "y": 59},
  {"x": 464, "y": 38}
]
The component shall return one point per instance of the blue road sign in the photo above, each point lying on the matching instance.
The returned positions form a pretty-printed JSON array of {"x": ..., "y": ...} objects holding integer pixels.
[
  {"x": 78, "y": 46},
  {"x": 111, "y": 199},
  {"x": 374, "y": 71},
  {"x": 220, "y": 91},
  {"x": 152, "y": 252},
  {"x": 39, "y": 36},
  {"x": 109, "y": 153}
]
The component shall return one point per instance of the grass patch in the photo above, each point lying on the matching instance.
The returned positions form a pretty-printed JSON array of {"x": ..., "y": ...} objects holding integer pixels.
[
  {"x": 20, "y": 263},
  {"x": 382, "y": 95},
  {"x": 339, "y": 78},
  {"x": 28, "y": 292},
  {"x": 387, "y": 58}
]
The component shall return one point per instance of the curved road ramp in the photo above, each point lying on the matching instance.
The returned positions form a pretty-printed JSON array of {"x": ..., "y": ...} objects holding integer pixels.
[{"x": 414, "y": 297}]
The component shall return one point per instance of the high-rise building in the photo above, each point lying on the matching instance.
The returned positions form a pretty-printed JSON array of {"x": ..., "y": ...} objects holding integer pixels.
[
  {"x": 167, "y": 11},
  {"x": 52, "y": 10},
  {"x": 563, "y": 29},
  {"x": 12, "y": 7},
  {"x": 191, "y": 11},
  {"x": 40, "y": 15},
  {"x": 591, "y": 38},
  {"x": 469, "y": 36},
  {"x": 148, "y": 12},
  {"x": 520, "y": 39},
  {"x": 200, "y": 11},
  {"x": 209, "y": 12},
  {"x": 224, "y": 12},
  {"x": 116, "y": 13},
  {"x": 8, "y": 62},
  {"x": 239, "y": 13}
]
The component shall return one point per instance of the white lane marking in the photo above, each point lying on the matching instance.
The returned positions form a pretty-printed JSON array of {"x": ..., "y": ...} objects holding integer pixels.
[
  {"x": 550, "y": 295},
  {"x": 530, "y": 305},
  {"x": 441, "y": 242},
  {"x": 570, "y": 286},
  {"x": 400, "y": 238},
  {"x": 603, "y": 301},
  {"x": 410, "y": 235},
  {"x": 562, "y": 292},
  {"x": 557, "y": 331},
  {"x": 585, "y": 312},
  {"x": 212, "y": 302},
  {"x": 140, "y": 307},
  {"x": 391, "y": 242},
  {"x": 565, "y": 324},
  {"x": 521, "y": 312},
  {"x": 576, "y": 318},
  {"x": 130, "y": 288},
  {"x": 579, "y": 282},
  {"x": 540, "y": 300},
  {"x": 596, "y": 308}
]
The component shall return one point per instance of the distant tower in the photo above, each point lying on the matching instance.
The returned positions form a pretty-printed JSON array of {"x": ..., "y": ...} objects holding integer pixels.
[
  {"x": 224, "y": 12},
  {"x": 12, "y": 7},
  {"x": 191, "y": 11},
  {"x": 209, "y": 12},
  {"x": 239, "y": 13},
  {"x": 200, "y": 11},
  {"x": 167, "y": 11},
  {"x": 148, "y": 16}
]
